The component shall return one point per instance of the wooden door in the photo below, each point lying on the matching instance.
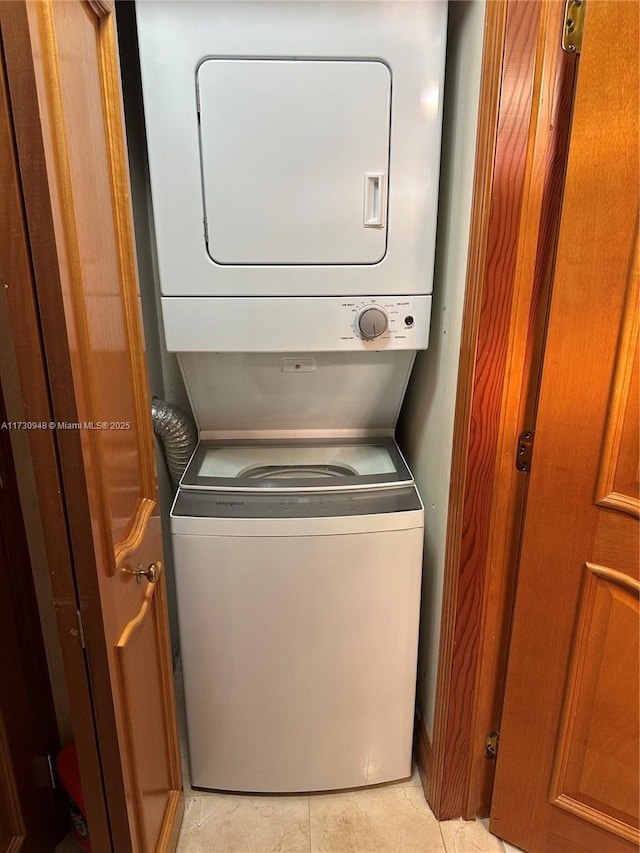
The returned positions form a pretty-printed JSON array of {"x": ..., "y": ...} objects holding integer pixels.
[
  {"x": 62, "y": 68},
  {"x": 567, "y": 770},
  {"x": 31, "y": 816}
]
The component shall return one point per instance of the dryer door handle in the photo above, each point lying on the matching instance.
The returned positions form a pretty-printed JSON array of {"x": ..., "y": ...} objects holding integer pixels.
[{"x": 375, "y": 199}]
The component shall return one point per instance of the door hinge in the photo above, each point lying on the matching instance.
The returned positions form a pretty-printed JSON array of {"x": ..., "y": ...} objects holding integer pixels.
[
  {"x": 573, "y": 25},
  {"x": 79, "y": 631},
  {"x": 491, "y": 745},
  {"x": 524, "y": 451}
]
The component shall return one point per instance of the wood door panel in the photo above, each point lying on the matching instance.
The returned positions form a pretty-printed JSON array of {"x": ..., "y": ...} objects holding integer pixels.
[
  {"x": 567, "y": 768},
  {"x": 100, "y": 267},
  {"x": 107, "y": 462},
  {"x": 145, "y": 672},
  {"x": 21, "y": 119},
  {"x": 596, "y": 769}
]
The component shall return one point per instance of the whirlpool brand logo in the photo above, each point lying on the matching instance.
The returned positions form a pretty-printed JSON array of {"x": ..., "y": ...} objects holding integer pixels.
[{"x": 229, "y": 503}]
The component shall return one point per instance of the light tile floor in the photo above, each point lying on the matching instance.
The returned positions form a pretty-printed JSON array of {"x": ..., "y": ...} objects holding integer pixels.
[
  {"x": 392, "y": 818},
  {"x": 68, "y": 845}
]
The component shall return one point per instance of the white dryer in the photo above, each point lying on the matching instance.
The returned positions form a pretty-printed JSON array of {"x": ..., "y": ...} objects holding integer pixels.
[
  {"x": 294, "y": 153},
  {"x": 298, "y": 571}
]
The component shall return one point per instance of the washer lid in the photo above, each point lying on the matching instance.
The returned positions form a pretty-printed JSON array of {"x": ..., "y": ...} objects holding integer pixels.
[{"x": 294, "y": 466}]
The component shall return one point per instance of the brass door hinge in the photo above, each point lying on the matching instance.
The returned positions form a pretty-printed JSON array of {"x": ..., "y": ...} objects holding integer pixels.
[
  {"x": 491, "y": 745},
  {"x": 573, "y": 25},
  {"x": 524, "y": 451}
]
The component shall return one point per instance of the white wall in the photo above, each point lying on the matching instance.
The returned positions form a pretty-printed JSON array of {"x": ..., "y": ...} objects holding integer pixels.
[{"x": 425, "y": 430}]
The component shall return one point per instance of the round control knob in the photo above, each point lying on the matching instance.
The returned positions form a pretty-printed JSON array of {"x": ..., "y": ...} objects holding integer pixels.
[{"x": 372, "y": 322}]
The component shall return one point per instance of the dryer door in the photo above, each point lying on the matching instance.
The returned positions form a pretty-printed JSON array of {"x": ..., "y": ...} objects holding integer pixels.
[{"x": 295, "y": 159}]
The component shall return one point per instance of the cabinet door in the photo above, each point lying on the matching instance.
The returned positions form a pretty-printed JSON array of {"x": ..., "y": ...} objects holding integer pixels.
[
  {"x": 295, "y": 160},
  {"x": 67, "y": 113},
  {"x": 567, "y": 770}
]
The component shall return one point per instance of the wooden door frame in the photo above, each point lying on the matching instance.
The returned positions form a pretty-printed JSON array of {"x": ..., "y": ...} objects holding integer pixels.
[
  {"x": 36, "y": 317},
  {"x": 526, "y": 97}
]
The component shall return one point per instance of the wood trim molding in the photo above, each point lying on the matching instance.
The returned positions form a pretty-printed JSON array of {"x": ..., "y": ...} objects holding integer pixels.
[
  {"x": 596, "y": 818},
  {"x": 423, "y": 753},
  {"x": 495, "y": 25},
  {"x": 543, "y": 184},
  {"x": 127, "y": 260},
  {"x": 125, "y": 643},
  {"x": 131, "y": 654},
  {"x": 171, "y": 736},
  {"x": 614, "y": 576},
  {"x": 526, "y": 98},
  {"x": 168, "y": 840},
  {"x": 100, "y": 8},
  {"x": 606, "y": 493},
  {"x": 144, "y": 510}
]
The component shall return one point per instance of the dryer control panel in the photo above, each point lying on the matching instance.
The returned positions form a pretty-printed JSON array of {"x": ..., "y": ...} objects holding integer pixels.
[
  {"x": 384, "y": 319},
  {"x": 297, "y": 324}
]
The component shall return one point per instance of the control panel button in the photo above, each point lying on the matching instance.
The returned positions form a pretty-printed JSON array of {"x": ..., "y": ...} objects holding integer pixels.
[{"x": 372, "y": 322}]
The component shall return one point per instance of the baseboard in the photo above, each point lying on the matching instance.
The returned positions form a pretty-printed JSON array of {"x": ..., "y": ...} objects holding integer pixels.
[{"x": 423, "y": 753}]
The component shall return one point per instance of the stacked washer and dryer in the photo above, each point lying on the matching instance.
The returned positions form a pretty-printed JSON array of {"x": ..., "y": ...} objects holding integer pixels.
[{"x": 294, "y": 160}]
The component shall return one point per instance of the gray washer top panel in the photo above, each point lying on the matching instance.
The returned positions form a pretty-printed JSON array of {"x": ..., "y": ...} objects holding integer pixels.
[{"x": 328, "y": 505}]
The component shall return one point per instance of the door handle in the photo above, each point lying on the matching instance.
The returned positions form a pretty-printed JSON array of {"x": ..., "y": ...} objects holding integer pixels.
[
  {"x": 375, "y": 200},
  {"x": 151, "y": 573}
]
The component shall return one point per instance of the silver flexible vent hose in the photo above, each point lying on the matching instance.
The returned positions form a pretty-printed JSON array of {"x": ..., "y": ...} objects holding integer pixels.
[{"x": 177, "y": 432}]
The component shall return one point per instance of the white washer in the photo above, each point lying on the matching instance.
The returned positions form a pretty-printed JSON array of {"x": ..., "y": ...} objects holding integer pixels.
[{"x": 298, "y": 571}]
